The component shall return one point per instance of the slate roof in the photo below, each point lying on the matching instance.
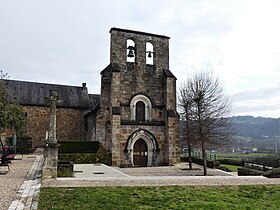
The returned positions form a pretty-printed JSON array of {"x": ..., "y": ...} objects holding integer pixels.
[
  {"x": 138, "y": 32},
  {"x": 33, "y": 93},
  {"x": 94, "y": 99},
  {"x": 168, "y": 73}
]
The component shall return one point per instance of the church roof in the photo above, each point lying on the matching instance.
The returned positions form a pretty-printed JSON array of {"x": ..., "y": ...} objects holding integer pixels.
[
  {"x": 94, "y": 99},
  {"x": 168, "y": 73},
  {"x": 138, "y": 32},
  {"x": 33, "y": 93}
]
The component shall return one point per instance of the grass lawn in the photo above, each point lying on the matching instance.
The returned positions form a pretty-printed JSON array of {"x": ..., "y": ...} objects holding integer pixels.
[
  {"x": 173, "y": 197},
  {"x": 232, "y": 168}
]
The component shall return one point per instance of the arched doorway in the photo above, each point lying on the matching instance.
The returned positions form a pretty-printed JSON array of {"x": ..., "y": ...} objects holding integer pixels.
[
  {"x": 150, "y": 150},
  {"x": 140, "y": 153}
]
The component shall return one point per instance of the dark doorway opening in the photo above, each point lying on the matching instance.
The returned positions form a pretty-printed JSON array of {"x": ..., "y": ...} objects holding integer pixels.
[{"x": 140, "y": 153}]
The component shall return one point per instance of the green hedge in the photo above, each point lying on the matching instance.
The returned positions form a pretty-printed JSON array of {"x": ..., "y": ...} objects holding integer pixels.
[
  {"x": 229, "y": 161},
  {"x": 184, "y": 159},
  {"x": 86, "y": 158},
  {"x": 249, "y": 172},
  {"x": 78, "y": 146},
  {"x": 210, "y": 163},
  {"x": 274, "y": 173}
]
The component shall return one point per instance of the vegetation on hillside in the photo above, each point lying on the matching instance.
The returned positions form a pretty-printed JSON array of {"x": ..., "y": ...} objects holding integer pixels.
[{"x": 259, "y": 127}]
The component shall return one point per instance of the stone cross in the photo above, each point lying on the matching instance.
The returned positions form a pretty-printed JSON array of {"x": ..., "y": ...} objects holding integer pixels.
[
  {"x": 52, "y": 126},
  {"x": 51, "y": 148}
]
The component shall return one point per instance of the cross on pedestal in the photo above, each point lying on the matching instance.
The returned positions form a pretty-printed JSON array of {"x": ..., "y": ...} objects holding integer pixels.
[{"x": 51, "y": 147}]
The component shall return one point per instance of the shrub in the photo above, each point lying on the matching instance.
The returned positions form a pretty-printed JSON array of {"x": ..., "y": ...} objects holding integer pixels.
[
  {"x": 86, "y": 158},
  {"x": 184, "y": 159},
  {"x": 65, "y": 169},
  {"x": 78, "y": 146},
  {"x": 274, "y": 173},
  {"x": 249, "y": 172},
  {"x": 210, "y": 163},
  {"x": 269, "y": 160},
  {"x": 64, "y": 173}
]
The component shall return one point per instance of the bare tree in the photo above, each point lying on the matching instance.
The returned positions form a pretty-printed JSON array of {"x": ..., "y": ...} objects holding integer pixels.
[
  {"x": 185, "y": 102},
  {"x": 208, "y": 112}
]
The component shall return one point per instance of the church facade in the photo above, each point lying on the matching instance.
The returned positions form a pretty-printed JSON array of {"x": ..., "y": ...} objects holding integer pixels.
[{"x": 135, "y": 117}]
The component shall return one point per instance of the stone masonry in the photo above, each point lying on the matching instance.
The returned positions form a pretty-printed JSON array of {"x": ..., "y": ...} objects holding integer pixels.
[
  {"x": 69, "y": 123},
  {"x": 135, "y": 115},
  {"x": 123, "y": 85}
]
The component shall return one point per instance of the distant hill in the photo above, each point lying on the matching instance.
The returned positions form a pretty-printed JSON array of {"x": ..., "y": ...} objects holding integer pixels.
[{"x": 259, "y": 127}]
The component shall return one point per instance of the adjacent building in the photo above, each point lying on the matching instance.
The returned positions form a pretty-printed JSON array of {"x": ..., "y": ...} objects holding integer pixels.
[{"x": 135, "y": 115}]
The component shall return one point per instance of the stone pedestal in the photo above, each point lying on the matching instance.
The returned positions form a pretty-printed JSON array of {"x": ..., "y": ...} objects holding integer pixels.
[
  {"x": 51, "y": 159},
  {"x": 51, "y": 148}
]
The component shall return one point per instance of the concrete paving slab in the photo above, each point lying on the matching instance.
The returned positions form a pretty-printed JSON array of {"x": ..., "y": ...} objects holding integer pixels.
[
  {"x": 96, "y": 171},
  {"x": 91, "y": 175}
]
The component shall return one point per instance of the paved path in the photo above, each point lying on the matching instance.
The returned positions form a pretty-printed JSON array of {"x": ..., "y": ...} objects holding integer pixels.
[
  {"x": 20, "y": 186},
  {"x": 27, "y": 195},
  {"x": 102, "y": 175}
]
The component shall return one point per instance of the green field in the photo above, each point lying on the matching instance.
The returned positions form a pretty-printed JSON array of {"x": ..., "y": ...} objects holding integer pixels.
[
  {"x": 240, "y": 155},
  {"x": 173, "y": 197},
  {"x": 237, "y": 156}
]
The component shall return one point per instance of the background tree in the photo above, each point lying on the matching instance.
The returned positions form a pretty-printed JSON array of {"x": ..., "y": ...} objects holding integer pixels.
[
  {"x": 208, "y": 112},
  {"x": 11, "y": 114},
  {"x": 185, "y": 102}
]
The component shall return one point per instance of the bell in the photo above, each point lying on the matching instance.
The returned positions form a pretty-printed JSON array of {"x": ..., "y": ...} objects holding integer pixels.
[
  {"x": 149, "y": 54},
  {"x": 130, "y": 53}
]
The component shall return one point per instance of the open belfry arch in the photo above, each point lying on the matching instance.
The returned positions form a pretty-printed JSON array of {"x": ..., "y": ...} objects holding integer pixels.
[{"x": 136, "y": 119}]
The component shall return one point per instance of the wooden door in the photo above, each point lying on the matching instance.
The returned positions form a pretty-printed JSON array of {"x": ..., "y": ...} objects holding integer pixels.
[{"x": 140, "y": 153}]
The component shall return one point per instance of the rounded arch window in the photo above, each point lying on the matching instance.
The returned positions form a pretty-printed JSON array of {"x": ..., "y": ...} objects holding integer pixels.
[
  {"x": 130, "y": 51},
  {"x": 140, "y": 107},
  {"x": 149, "y": 53}
]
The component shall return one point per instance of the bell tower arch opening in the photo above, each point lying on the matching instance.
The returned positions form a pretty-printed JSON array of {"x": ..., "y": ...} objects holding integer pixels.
[
  {"x": 130, "y": 51},
  {"x": 149, "y": 53}
]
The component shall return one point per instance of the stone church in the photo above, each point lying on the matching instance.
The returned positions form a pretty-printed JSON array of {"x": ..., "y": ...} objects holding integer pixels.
[{"x": 135, "y": 115}]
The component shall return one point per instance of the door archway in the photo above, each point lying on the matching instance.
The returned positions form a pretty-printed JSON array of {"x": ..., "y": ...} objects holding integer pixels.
[
  {"x": 140, "y": 153},
  {"x": 152, "y": 149}
]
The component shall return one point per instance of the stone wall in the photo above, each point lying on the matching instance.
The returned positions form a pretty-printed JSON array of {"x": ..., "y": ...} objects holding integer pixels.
[
  {"x": 121, "y": 82},
  {"x": 70, "y": 124},
  {"x": 157, "y": 131}
]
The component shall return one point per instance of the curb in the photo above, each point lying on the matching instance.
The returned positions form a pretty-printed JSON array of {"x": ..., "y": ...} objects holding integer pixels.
[{"x": 27, "y": 195}]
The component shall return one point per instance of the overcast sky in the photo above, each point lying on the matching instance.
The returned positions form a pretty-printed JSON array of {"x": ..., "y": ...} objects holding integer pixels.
[{"x": 67, "y": 42}]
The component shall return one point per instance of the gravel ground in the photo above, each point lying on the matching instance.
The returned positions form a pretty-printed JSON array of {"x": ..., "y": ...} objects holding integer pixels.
[
  {"x": 152, "y": 176},
  {"x": 163, "y": 181},
  {"x": 11, "y": 181},
  {"x": 162, "y": 176},
  {"x": 180, "y": 169}
]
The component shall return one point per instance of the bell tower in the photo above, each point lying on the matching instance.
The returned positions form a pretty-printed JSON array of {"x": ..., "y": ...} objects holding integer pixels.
[{"x": 138, "y": 121}]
